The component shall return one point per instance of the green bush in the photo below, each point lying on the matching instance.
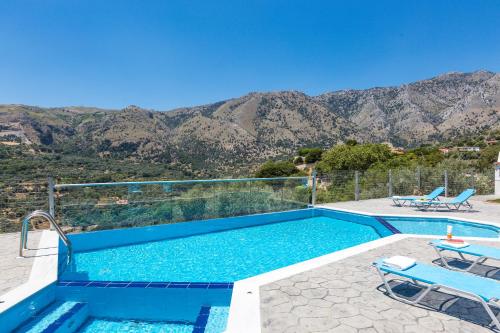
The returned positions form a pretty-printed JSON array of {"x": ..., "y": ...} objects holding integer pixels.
[
  {"x": 276, "y": 169},
  {"x": 298, "y": 160},
  {"x": 313, "y": 155},
  {"x": 357, "y": 157},
  {"x": 488, "y": 156}
]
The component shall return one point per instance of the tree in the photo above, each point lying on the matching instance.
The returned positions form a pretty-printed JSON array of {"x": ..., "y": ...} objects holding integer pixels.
[
  {"x": 351, "y": 142},
  {"x": 311, "y": 155},
  {"x": 357, "y": 157},
  {"x": 488, "y": 156},
  {"x": 298, "y": 160},
  {"x": 276, "y": 169}
]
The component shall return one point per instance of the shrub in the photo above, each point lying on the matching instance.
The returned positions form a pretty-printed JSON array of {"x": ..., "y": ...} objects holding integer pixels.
[
  {"x": 357, "y": 157},
  {"x": 298, "y": 160},
  {"x": 276, "y": 169}
]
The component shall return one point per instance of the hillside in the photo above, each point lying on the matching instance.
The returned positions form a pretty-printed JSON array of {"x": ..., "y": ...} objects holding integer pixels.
[{"x": 238, "y": 133}]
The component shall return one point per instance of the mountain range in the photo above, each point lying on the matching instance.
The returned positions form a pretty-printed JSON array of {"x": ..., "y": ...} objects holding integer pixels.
[{"x": 244, "y": 131}]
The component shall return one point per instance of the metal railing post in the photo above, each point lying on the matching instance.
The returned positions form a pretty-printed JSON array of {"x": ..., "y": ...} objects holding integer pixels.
[
  {"x": 50, "y": 190},
  {"x": 314, "y": 180},
  {"x": 356, "y": 185},
  {"x": 390, "y": 183},
  {"x": 446, "y": 183},
  {"x": 473, "y": 181},
  {"x": 419, "y": 180}
]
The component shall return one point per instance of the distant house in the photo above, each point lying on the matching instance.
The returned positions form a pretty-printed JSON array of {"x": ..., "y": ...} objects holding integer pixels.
[
  {"x": 491, "y": 142},
  {"x": 397, "y": 150},
  {"x": 444, "y": 151},
  {"x": 394, "y": 150}
]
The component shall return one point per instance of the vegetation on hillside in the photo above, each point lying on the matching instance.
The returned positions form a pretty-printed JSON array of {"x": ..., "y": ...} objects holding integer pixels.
[
  {"x": 278, "y": 169},
  {"x": 309, "y": 155},
  {"x": 414, "y": 171}
]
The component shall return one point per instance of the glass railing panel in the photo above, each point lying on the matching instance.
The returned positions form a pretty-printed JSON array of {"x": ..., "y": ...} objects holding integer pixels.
[{"x": 87, "y": 207}]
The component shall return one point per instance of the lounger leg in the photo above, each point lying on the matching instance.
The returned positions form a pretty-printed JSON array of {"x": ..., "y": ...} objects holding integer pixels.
[
  {"x": 479, "y": 260},
  {"x": 405, "y": 300},
  {"x": 494, "y": 319},
  {"x": 441, "y": 257}
]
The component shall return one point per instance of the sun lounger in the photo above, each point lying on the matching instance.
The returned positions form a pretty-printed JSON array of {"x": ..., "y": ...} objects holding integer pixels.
[
  {"x": 431, "y": 278},
  {"x": 480, "y": 252},
  {"x": 401, "y": 201},
  {"x": 453, "y": 204}
]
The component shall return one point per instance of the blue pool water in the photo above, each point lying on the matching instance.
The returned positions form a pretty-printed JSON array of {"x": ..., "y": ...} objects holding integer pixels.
[
  {"x": 217, "y": 319},
  {"x": 98, "y": 325},
  {"x": 221, "y": 256},
  {"x": 216, "y": 324},
  {"x": 436, "y": 226}
]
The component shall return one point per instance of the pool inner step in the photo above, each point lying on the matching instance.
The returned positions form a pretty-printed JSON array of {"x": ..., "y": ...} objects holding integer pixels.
[{"x": 57, "y": 317}]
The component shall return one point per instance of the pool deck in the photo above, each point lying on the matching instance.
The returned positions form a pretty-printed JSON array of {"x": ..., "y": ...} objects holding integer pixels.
[
  {"x": 348, "y": 296},
  {"x": 482, "y": 210},
  {"x": 15, "y": 270}
]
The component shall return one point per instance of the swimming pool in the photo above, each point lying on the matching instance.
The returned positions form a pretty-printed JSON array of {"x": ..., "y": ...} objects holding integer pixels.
[
  {"x": 231, "y": 249},
  {"x": 228, "y": 255},
  {"x": 179, "y": 277},
  {"x": 437, "y": 226}
]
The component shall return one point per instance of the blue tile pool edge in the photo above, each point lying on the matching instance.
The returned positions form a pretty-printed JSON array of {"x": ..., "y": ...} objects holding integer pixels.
[
  {"x": 63, "y": 318},
  {"x": 386, "y": 224},
  {"x": 149, "y": 285},
  {"x": 202, "y": 320}
]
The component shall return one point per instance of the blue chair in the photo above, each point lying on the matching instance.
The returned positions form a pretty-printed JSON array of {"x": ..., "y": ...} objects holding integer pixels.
[
  {"x": 453, "y": 204},
  {"x": 480, "y": 252},
  {"x": 484, "y": 290},
  {"x": 434, "y": 195}
]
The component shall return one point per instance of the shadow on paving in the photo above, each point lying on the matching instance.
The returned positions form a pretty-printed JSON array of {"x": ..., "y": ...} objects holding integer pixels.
[
  {"x": 483, "y": 270},
  {"x": 452, "y": 305}
]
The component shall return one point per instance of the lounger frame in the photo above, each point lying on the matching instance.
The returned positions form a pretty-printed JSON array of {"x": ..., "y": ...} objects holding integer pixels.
[
  {"x": 434, "y": 287},
  {"x": 400, "y": 202},
  {"x": 473, "y": 263},
  {"x": 450, "y": 206}
]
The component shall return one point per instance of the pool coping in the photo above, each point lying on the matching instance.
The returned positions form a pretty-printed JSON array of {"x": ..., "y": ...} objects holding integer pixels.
[
  {"x": 244, "y": 312},
  {"x": 43, "y": 272}
]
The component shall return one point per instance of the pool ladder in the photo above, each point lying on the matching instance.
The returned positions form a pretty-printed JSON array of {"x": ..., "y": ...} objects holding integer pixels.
[{"x": 53, "y": 224}]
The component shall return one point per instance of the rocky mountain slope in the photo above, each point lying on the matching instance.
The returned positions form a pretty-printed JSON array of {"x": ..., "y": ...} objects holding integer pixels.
[{"x": 258, "y": 126}]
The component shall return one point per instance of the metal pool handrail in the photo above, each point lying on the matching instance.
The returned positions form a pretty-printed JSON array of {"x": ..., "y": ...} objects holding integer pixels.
[
  {"x": 173, "y": 182},
  {"x": 53, "y": 223}
]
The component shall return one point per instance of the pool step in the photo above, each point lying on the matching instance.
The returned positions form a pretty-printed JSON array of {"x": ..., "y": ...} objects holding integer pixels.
[
  {"x": 217, "y": 319},
  {"x": 57, "y": 318}
]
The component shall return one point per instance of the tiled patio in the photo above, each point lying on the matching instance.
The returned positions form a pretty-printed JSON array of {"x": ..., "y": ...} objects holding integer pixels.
[
  {"x": 14, "y": 270},
  {"x": 346, "y": 296},
  {"x": 482, "y": 210}
]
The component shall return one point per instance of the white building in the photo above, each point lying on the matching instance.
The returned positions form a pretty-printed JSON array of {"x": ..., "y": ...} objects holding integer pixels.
[{"x": 469, "y": 149}]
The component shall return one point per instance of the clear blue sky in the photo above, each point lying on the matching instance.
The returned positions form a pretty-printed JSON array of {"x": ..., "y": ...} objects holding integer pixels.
[{"x": 167, "y": 54}]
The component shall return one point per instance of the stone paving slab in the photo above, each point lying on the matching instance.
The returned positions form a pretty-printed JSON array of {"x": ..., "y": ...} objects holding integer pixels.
[
  {"x": 14, "y": 270},
  {"x": 348, "y": 296},
  {"x": 482, "y": 210}
]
